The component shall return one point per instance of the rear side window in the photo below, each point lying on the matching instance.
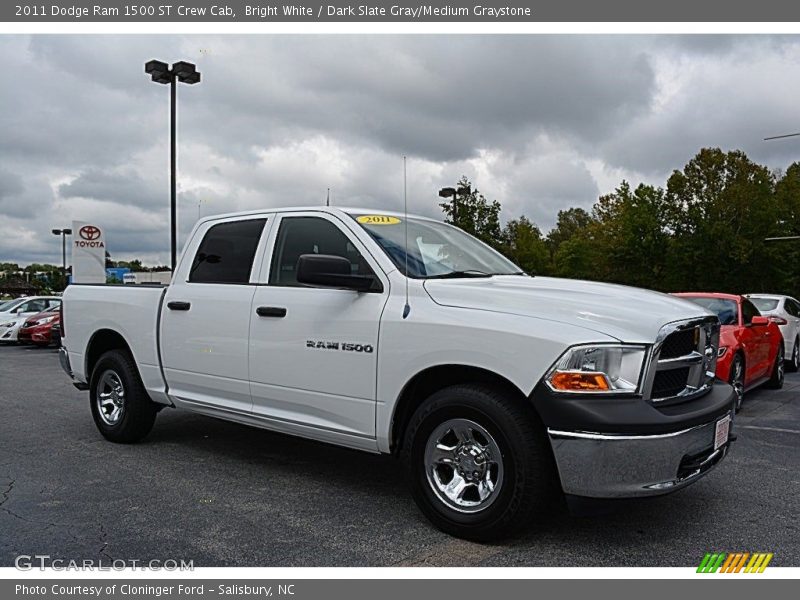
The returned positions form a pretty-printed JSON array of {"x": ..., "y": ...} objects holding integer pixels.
[
  {"x": 766, "y": 304},
  {"x": 226, "y": 253}
]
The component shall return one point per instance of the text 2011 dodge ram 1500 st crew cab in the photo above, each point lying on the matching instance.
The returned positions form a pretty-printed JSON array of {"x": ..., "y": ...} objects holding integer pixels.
[{"x": 496, "y": 389}]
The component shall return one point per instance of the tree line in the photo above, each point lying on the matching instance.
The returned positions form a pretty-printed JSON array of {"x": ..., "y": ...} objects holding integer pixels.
[{"x": 704, "y": 230}]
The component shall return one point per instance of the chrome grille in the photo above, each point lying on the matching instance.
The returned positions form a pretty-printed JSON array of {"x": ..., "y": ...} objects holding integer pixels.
[
  {"x": 679, "y": 343},
  {"x": 683, "y": 360}
]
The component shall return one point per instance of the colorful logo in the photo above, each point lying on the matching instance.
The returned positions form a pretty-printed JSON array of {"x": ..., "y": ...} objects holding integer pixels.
[{"x": 734, "y": 562}]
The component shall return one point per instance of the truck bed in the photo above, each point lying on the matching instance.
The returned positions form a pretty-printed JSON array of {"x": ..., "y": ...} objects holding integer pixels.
[{"x": 132, "y": 311}]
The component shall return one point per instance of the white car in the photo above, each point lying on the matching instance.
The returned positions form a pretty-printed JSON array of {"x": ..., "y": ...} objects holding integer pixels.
[
  {"x": 785, "y": 311},
  {"x": 404, "y": 335},
  {"x": 14, "y": 312}
]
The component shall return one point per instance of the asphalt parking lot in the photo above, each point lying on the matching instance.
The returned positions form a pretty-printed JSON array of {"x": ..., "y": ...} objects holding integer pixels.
[{"x": 222, "y": 494}]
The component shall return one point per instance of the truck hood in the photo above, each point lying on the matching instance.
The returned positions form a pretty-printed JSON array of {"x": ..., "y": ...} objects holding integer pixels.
[{"x": 626, "y": 313}]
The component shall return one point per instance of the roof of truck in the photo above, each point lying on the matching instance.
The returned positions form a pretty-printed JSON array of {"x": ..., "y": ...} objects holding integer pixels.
[{"x": 326, "y": 209}]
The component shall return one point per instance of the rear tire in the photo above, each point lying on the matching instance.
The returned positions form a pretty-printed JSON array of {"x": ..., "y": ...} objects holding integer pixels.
[
  {"x": 793, "y": 364},
  {"x": 121, "y": 408},
  {"x": 776, "y": 379},
  {"x": 478, "y": 462}
]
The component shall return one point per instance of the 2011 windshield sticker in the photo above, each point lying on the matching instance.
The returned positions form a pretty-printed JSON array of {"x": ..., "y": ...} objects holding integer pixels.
[{"x": 378, "y": 220}]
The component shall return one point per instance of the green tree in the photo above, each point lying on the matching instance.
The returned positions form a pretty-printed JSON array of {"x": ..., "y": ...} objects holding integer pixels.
[
  {"x": 631, "y": 234},
  {"x": 475, "y": 214},
  {"x": 573, "y": 246},
  {"x": 524, "y": 244},
  {"x": 571, "y": 222},
  {"x": 787, "y": 253},
  {"x": 719, "y": 209}
]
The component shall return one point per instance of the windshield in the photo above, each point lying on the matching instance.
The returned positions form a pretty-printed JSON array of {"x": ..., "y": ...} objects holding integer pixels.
[
  {"x": 765, "y": 304},
  {"x": 726, "y": 310},
  {"x": 435, "y": 250}
]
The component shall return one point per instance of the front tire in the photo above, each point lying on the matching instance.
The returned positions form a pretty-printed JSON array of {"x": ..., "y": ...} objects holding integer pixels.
[
  {"x": 121, "y": 408},
  {"x": 478, "y": 462}
]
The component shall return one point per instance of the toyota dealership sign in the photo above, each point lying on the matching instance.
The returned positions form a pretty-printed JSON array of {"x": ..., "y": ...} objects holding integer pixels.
[{"x": 88, "y": 253}]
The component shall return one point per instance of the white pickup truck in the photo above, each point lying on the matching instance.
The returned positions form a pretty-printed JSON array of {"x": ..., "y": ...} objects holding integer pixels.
[{"x": 406, "y": 336}]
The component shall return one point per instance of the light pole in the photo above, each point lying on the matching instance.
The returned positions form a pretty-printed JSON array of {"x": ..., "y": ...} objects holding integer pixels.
[
  {"x": 185, "y": 72},
  {"x": 63, "y": 233},
  {"x": 446, "y": 193}
]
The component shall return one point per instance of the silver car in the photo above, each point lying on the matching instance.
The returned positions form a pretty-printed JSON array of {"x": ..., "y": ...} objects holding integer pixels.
[
  {"x": 785, "y": 311},
  {"x": 14, "y": 312}
]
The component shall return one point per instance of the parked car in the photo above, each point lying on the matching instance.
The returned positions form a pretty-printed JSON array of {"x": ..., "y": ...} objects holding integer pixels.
[
  {"x": 785, "y": 312},
  {"x": 15, "y": 312},
  {"x": 751, "y": 349},
  {"x": 405, "y": 335},
  {"x": 38, "y": 329}
]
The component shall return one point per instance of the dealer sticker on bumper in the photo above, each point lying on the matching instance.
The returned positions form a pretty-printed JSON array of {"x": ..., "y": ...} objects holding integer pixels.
[{"x": 721, "y": 431}]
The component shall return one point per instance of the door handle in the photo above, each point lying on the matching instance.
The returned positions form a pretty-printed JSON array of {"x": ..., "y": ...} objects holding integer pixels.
[
  {"x": 176, "y": 305},
  {"x": 271, "y": 311}
]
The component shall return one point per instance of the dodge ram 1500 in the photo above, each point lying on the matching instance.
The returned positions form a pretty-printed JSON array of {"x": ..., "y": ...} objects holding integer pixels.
[{"x": 404, "y": 335}]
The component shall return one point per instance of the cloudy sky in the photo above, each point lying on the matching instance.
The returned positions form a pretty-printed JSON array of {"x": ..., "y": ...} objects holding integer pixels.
[{"x": 539, "y": 123}]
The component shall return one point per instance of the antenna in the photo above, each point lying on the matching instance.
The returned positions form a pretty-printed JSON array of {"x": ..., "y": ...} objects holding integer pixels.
[
  {"x": 407, "y": 307},
  {"x": 780, "y": 137},
  {"x": 328, "y": 200}
]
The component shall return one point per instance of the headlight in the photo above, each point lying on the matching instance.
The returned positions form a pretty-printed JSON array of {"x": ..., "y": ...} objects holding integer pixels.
[
  {"x": 45, "y": 320},
  {"x": 598, "y": 369},
  {"x": 8, "y": 324}
]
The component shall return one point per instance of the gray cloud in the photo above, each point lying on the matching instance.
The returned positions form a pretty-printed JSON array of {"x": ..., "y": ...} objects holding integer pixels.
[{"x": 540, "y": 123}]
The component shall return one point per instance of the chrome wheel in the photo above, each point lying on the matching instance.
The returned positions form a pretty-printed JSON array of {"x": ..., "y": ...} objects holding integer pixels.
[
  {"x": 110, "y": 397},
  {"x": 780, "y": 367},
  {"x": 464, "y": 465},
  {"x": 796, "y": 356},
  {"x": 737, "y": 381}
]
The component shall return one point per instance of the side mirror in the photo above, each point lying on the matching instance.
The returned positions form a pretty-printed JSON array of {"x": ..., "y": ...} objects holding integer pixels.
[
  {"x": 326, "y": 270},
  {"x": 760, "y": 321}
]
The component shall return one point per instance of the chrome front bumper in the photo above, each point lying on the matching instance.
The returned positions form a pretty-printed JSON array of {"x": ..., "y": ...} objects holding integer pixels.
[{"x": 600, "y": 465}]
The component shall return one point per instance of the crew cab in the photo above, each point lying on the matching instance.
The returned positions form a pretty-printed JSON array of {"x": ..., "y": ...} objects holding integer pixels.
[
  {"x": 403, "y": 335},
  {"x": 751, "y": 349}
]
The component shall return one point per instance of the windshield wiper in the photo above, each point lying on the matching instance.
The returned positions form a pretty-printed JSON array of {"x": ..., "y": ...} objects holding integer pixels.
[{"x": 459, "y": 274}]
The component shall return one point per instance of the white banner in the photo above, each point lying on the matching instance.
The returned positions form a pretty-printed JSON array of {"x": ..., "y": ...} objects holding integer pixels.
[{"x": 88, "y": 253}]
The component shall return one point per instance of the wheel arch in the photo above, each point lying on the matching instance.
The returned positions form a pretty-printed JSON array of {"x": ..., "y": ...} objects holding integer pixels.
[
  {"x": 432, "y": 379},
  {"x": 101, "y": 342}
]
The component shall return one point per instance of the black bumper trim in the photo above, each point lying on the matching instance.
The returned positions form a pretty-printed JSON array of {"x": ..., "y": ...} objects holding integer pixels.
[{"x": 629, "y": 415}]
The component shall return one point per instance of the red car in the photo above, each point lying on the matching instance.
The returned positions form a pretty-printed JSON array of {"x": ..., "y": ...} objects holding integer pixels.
[
  {"x": 38, "y": 329},
  {"x": 750, "y": 345}
]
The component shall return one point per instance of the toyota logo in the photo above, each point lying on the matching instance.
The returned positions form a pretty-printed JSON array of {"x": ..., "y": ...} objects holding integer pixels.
[{"x": 89, "y": 232}]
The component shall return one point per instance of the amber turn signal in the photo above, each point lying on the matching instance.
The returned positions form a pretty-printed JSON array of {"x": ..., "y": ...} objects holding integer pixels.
[{"x": 571, "y": 381}]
